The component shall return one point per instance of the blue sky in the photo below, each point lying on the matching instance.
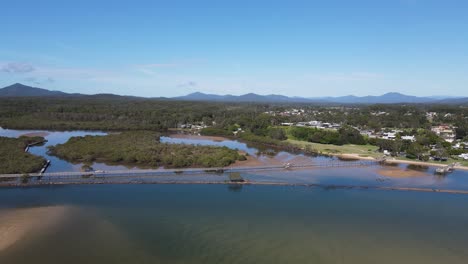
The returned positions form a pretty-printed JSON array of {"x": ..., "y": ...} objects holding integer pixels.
[{"x": 296, "y": 48}]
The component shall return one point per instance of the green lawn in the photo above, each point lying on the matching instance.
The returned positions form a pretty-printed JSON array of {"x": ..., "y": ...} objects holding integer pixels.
[
  {"x": 449, "y": 161},
  {"x": 362, "y": 150}
]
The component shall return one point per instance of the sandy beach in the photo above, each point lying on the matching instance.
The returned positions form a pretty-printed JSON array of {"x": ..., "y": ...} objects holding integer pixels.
[
  {"x": 396, "y": 161},
  {"x": 16, "y": 224}
]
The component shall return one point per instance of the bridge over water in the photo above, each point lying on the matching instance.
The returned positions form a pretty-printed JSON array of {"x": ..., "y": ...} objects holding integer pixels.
[{"x": 193, "y": 171}]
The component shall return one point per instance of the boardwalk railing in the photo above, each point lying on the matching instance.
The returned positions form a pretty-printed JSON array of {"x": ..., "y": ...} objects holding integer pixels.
[{"x": 167, "y": 172}]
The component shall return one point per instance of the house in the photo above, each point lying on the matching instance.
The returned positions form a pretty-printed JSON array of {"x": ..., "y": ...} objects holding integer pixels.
[
  {"x": 302, "y": 124},
  {"x": 410, "y": 138},
  {"x": 444, "y": 131},
  {"x": 463, "y": 156},
  {"x": 287, "y": 124},
  {"x": 315, "y": 123},
  {"x": 389, "y": 135},
  {"x": 431, "y": 115}
]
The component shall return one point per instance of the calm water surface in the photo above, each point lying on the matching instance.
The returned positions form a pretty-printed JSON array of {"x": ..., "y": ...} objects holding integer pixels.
[
  {"x": 353, "y": 176},
  {"x": 252, "y": 224},
  {"x": 240, "y": 224}
]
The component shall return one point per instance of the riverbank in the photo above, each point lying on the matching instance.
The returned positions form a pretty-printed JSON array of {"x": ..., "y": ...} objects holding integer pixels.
[
  {"x": 345, "y": 152},
  {"x": 363, "y": 152}
]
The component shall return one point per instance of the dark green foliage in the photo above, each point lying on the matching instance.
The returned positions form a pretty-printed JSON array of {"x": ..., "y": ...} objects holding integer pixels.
[
  {"x": 345, "y": 135},
  {"x": 13, "y": 159},
  {"x": 277, "y": 133},
  {"x": 351, "y": 135},
  {"x": 260, "y": 139},
  {"x": 142, "y": 148},
  {"x": 462, "y": 131},
  {"x": 114, "y": 113},
  {"x": 213, "y": 131},
  {"x": 416, "y": 150}
]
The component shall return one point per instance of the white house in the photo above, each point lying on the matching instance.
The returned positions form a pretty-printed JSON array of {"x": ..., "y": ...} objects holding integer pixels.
[
  {"x": 410, "y": 138},
  {"x": 389, "y": 135}
]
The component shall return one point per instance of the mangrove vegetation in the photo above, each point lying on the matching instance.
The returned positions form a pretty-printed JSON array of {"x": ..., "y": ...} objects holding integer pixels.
[
  {"x": 14, "y": 159},
  {"x": 142, "y": 149}
]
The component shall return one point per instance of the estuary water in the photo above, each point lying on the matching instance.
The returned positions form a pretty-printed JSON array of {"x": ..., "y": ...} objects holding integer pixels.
[
  {"x": 389, "y": 176},
  {"x": 231, "y": 223},
  {"x": 220, "y": 224}
]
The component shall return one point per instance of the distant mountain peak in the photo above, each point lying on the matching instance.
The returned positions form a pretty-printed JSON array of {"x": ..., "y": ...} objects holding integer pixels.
[
  {"x": 393, "y": 93},
  {"x": 21, "y": 90},
  {"x": 387, "y": 98},
  {"x": 197, "y": 93}
]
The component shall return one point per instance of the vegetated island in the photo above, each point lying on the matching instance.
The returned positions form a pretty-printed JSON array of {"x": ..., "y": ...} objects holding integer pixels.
[
  {"x": 143, "y": 149},
  {"x": 14, "y": 158}
]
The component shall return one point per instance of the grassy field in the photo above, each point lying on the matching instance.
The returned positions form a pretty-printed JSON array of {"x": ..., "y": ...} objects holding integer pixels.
[
  {"x": 449, "y": 161},
  {"x": 362, "y": 150}
]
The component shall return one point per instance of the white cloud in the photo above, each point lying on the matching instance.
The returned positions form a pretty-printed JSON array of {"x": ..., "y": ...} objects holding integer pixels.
[{"x": 17, "y": 67}]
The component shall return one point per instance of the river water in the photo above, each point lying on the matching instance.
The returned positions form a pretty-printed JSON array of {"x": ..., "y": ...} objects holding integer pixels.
[
  {"x": 203, "y": 223},
  {"x": 369, "y": 176}
]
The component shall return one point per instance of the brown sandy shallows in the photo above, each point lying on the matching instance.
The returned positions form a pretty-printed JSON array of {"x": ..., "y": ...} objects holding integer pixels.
[
  {"x": 251, "y": 161},
  {"x": 189, "y": 136},
  {"x": 354, "y": 157},
  {"x": 36, "y": 134},
  {"x": 400, "y": 173},
  {"x": 15, "y": 224}
]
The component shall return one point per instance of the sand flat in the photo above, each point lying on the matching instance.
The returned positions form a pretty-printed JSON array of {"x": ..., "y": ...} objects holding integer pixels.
[
  {"x": 401, "y": 173},
  {"x": 16, "y": 224}
]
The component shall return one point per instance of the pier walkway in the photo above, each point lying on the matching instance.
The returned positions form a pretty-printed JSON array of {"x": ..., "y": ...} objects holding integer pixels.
[{"x": 195, "y": 171}]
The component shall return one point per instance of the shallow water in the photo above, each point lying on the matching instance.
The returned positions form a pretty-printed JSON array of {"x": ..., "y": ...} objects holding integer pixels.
[
  {"x": 251, "y": 224},
  {"x": 54, "y": 138},
  {"x": 368, "y": 176}
]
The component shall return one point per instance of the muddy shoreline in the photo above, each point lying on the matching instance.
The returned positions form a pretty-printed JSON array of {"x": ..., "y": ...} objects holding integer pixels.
[{"x": 295, "y": 150}]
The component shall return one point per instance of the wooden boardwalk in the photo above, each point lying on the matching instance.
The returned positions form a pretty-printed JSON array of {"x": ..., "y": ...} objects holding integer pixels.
[{"x": 194, "y": 171}]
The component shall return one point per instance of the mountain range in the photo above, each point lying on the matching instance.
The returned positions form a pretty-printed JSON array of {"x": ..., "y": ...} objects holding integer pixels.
[
  {"x": 20, "y": 90},
  {"x": 388, "y": 98}
]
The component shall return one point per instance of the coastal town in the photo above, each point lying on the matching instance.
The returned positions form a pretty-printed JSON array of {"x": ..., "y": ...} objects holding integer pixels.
[{"x": 425, "y": 135}]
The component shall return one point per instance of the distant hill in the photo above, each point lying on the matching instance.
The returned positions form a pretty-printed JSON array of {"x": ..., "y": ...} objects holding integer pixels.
[
  {"x": 388, "y": 98},
  {"x": 250, "y": 97},
  {"x": 20, "y": 90}
]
